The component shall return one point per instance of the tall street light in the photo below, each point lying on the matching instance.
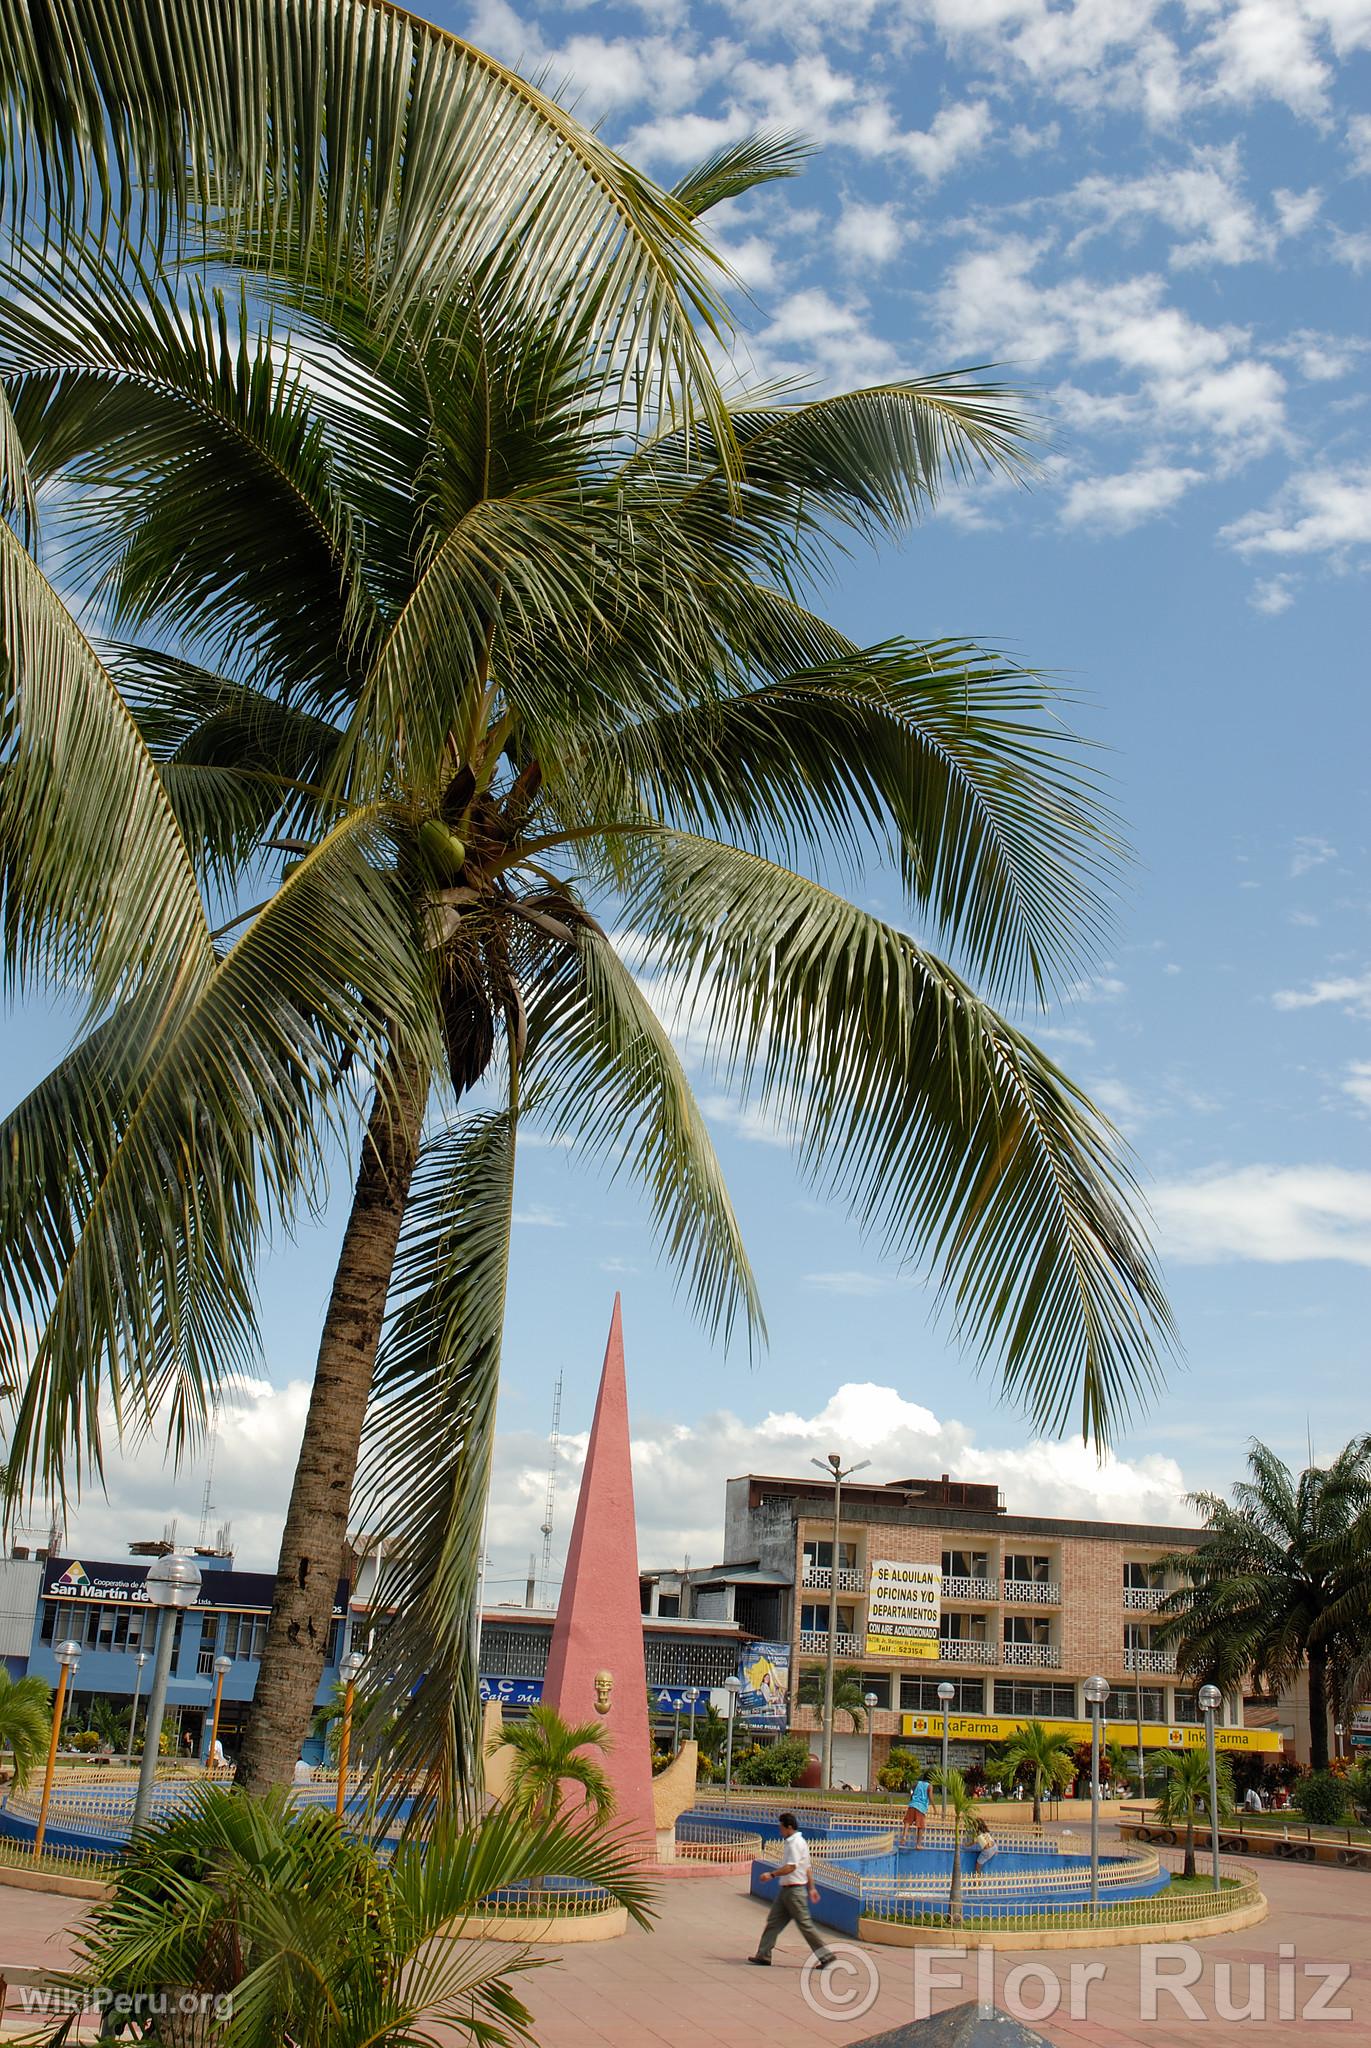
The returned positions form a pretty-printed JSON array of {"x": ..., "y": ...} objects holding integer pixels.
[
  {"x": 693, "y": 1697},
  {"x": 133, "y": 1710},
  {"x": 1096, "y": 1693},
  {"x": 1211, "y": 1699},
  {"x": 732, "y": 1686},
  {"x": 947, "y": 1692},
  {"x": 222, "y": 1668},
  {"x": 869, "y": 1702},
  {"x": 834, "y": 1469},
  {"x": 68, "y": 1657},
  {"x": 172, "y": 1583},
  {"x": 352, "y": 1664}
]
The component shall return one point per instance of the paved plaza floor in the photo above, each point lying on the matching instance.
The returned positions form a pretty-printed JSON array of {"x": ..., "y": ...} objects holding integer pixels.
[{"x": 688, "y": 1984}]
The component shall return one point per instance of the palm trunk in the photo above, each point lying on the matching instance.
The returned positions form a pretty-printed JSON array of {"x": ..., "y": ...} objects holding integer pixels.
[
  {"x": 1038, "y": 1804},
  {"x": 1318, "y": 1710},
  {"x": 1189, "y": 1869},
  {"x": 312, "y": 1545},
  {"x": 954, "y": 1902}
]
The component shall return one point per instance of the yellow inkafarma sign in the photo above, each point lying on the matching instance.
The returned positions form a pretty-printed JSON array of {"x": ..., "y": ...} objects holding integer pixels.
[
  {"x": 1155, "y": 1735},
  {"x": 903, "y": 1604}
]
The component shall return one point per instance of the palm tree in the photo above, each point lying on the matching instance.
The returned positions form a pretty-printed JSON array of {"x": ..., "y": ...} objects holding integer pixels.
[
  {"x": 499, "y": 684},
  {"x": 1184, "y": 1794},
  {"x": 25, "y": 1722},
  {"x": 550, "y": 1753},
  {"x": 309, "y": 1937},
  {"x": 1046, "y": 1759},
  {"x": 1282, "y": 1583},
  {"x": 373, "y": 1715},
  {"x": 962, "y": 1809},
  {"x": 849, "y": 1693}
]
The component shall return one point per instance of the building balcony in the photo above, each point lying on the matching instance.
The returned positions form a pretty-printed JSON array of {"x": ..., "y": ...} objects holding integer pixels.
[
  {"x": 1143, "y": 1599},
  {"x": 1149, "y": 1660},
  {"x": 814, "y": 1643},
  {"x": 1033, "y": 1592},
  {"x": 964, "y": 1650},
  {"x": 1045, "y": 1656},
  {"x": 970, "y": 1589},
  {"x": 818, "y": 1578}
]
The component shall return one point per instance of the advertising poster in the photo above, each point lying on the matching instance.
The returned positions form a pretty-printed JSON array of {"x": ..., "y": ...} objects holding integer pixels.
[
  {"x": 764, "y": 1669},
  {"x": 904, "y": 1602}
]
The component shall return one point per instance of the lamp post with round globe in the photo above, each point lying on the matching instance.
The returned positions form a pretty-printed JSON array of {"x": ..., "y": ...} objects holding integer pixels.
[
  {"x": 947, "y": 1692},
  {"x": 141, "y": 1661},
  {"x": 68, "y": 1657},
  {"x": 834, "y": 1469},
  {"x": 352, "y": 1665},
  {"x": 222, "y": 1668},
  {"x": 1096, "y": 1693},
  {"x": 732, "y": 1686},
  {"x": 869, "y": 1702},
  {"x": 1210, "y": 1700},
  {"x": 172, "y": 1583}
]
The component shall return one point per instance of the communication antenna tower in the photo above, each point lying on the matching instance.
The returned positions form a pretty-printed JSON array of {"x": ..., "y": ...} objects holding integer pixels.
[
  {"x": 550, "y": 1504},
  {"x": 207, "y": 1503}
]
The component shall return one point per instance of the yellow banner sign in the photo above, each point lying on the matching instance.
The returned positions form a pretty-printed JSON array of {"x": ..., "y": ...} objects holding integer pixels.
[
  {"x": 1155, "y": 1735},
  {"x": 902, "y": 1608}
]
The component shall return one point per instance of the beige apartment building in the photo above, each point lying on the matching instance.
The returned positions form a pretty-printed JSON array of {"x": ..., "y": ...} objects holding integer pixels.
[{"x": 1015, "y": 1611}]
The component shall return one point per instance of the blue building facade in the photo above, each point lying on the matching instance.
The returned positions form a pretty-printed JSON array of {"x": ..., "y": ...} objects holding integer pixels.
[{"x": 105, "y": 1608}]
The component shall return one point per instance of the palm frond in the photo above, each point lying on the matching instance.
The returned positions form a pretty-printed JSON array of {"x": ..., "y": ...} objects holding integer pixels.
[
  {"x": 16, "y": 485},
  {"x": 736, "y": 167},
  {"x": 946, "y": 1130},
  {"x": 427, "y": 1447}
]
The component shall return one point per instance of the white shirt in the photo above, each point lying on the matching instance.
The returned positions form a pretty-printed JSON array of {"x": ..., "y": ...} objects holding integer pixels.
[{"x": 795, "y": 1850}]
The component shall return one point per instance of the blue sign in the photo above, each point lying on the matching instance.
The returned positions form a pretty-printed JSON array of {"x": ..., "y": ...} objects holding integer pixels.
[
  {"x": 677, "y": 1699},
  {"x": 512, "y": 1692},
  {"x": 764, "y": 1669}
]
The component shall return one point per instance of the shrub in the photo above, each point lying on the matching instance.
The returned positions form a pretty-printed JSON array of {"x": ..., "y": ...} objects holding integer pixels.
[
  {"x": 87, "y": 1741},
  {"x": 1322, "y": 1797},
  {"x": 782, "y": 1764},
  {"x": 900, "y": 1771},
  {"x": 1359, "y": 1786}
]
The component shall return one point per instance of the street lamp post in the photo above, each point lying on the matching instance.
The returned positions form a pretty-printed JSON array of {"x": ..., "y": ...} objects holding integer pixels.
[
  {"x": 1211, "y": 1699},
  {"x": 133, "y": 1711},
  {"x": 732, "y": 1686},
  {"x": 172, "y": 1583},
  {"x": 1142, "y": 1771},
  {"x": 352, "y": 1664},
  {"x": 1096, "y": 1693},
  {"x": 693, "y": 1696},
  {"x": 833, "y": 1467},
  {"x": 947, "y": 1692},
  {"x": 222, "y": 1667},
  {"x": 68, "y": 1657},
  {"x": 869, "y": 1702}
]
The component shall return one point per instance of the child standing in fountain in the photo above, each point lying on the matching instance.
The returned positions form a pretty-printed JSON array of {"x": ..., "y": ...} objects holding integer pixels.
[
  {"x": 916, "y": 1813},
  {"x": 985, "y": 1845}
]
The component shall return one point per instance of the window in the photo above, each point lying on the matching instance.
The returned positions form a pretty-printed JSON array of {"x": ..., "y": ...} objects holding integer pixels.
[
  {"x": 1185, "y": 1707},
  {"x": 1027, "y": 1628},
  {"x": 1122, "y": 1704},
  {"x": 669, "y": 1606},
  {"x": 1022, "y": 1566},
  {"x": 920, "y": 1696},
  {"x": 1137, "y": 1636},
  {"x": 1035, "y": 1702},
  {"x": 815, "y": 1617},
  {"x": 335, "y": 1641},
  {"x": 966, "y": 1564},
  {"x": 1146, "y": 1576},
  {"x": 820, "y": 1554},
  {"x": 879, "y": 1683},
  {"x": 49, "y": 1627},
  {"x": 244, "y": 1635},
  {"x": 962, "y": 1628}
]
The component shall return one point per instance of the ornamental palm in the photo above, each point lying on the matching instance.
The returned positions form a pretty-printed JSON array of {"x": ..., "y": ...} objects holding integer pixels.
[
  {"x": 294, "y": 1931},
  {"x": 549, "y": 1754},
  {"x": 961, "y": 1808},
  {"x": 849, "y": 1693},
  {"x": 25, "y": 1722},
  {"x": 1282, "y": 1583},
  {"x": 503, "y": 677},
  {"x": 1184, "y": 1794},
  {"x": 1044, "y": 1758}
]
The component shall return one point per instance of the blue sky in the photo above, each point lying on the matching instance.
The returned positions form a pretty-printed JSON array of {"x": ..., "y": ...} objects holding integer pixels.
[{"x": 1154, "y": 218}]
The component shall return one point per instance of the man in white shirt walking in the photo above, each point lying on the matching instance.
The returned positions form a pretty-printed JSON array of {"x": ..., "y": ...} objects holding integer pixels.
[{"x": 792, "y": 1901}]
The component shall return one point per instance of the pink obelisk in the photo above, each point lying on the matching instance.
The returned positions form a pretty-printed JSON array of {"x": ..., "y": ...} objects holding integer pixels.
[{"x": 598, "y": 1634}]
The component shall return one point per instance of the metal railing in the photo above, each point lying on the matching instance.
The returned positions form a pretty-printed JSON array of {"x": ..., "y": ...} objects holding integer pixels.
[
  {"x": 1239, "y": 1890},
  {"x": 1143, "y": 1599},
  {"x": 1033, "y": 1592},
  {"x": 819, "y": 1578},
  {"x": 557, "y": 1899},
  {"x": 814, "y": 1642},
  {"x": 58, "y": 1860},
  {"x": 970, "y": 1589},
  {"x": 1044, "y": 1655},
  {"x": 698, "y": 1842},
  {"x": 1125, "y": 1866},
  {"x": 1149, "y": 1660}
]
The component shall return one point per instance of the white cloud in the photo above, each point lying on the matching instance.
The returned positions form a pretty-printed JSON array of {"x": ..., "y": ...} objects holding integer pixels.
[
  {"x": 1357, "y": 1082},
  {"x": 1311, "y": 852},
  {"x": 868, "y": 236},
  {"x": 537, "y": 1216},
  {"x": 1359, "y": 144},
  {"x": 679, "y": 1470},
  {"x": 1267, "y": 49},
  {"x": 1274, "y": 595},
  {"x": 747, "y": 1120},
  {"x": 1201, "y": 204},
  {"x": 1323, "y": 512},
  {"x": 1348, "y": 991},
  {"x": 1275, "y": 1215},
  {"x": 1121, "y": 1104},
  {"x": 1119, "y": 503},
  {"x": 861, "y": 1286}
]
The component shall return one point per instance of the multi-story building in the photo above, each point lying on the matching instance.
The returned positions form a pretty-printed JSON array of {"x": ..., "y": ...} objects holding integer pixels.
[{"x": 1015, "y": 1611}]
